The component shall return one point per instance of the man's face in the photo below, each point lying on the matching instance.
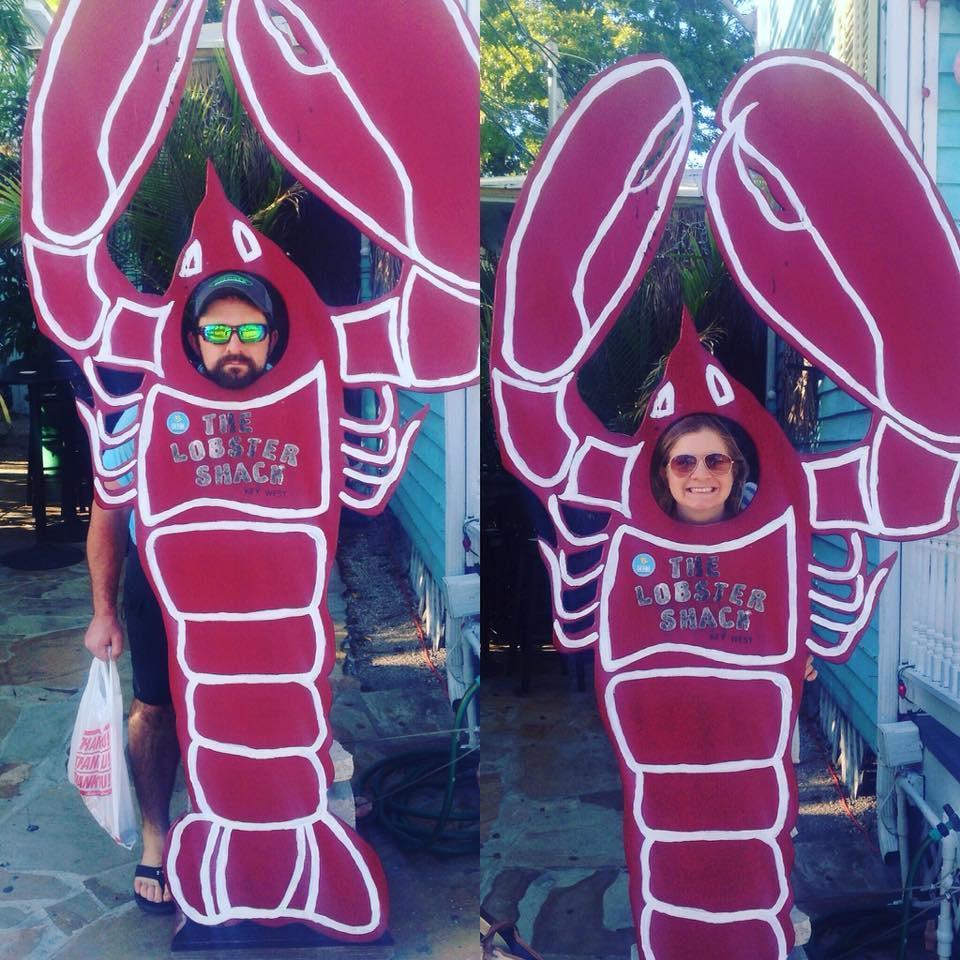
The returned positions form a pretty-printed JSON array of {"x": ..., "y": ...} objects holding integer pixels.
[{"x": 233, "y": 364}]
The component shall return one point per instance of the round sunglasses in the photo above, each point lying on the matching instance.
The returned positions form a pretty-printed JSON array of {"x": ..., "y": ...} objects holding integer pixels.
[
  {"x": 683, "y": 464},
  {"x": 221, "y": 333}
]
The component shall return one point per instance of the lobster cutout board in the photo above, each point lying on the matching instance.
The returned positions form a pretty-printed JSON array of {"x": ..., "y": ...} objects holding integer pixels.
[
  {"x": 237, "y": 489},
  {"x": 701, "y": 630}
]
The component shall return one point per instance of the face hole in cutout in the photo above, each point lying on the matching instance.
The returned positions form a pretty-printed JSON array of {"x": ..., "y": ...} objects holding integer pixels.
[
  {"x": 280, "y": 323},
  {"x": 703, "y": 496}
]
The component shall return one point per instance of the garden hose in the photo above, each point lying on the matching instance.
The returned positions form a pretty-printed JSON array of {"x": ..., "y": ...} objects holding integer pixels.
[{"x": 413, "y": 793}]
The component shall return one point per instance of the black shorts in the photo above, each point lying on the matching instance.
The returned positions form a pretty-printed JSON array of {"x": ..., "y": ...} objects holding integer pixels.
[{"x": 146, "y": 636}]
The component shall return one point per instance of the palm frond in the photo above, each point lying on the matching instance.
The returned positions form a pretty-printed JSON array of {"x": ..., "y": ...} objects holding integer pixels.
[{"x": 10, "y": 198}]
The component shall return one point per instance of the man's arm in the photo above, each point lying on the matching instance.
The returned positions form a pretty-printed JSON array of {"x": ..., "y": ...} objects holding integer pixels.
[{"x": 106, "y": 546}]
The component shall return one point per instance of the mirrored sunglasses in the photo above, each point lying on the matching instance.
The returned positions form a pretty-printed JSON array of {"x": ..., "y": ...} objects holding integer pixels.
[
  {"x": 220, "y": 333},
  {"x": 683, "y": 464}
]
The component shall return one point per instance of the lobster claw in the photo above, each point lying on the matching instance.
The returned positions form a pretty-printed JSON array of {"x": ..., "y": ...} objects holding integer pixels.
[
  {"x": 631, "y": 128},
  {"x": 393, "y": 149},
  {"x": 834, "y": 230},
  {"x": 376, "y": 144},
  {"x": 89, "y": 137},
  {"x": 90, "y": 134}
]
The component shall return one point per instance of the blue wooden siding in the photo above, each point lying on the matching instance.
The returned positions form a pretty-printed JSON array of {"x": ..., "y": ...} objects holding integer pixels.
[
  {"x": 948, "y": 114},
  {"x": 419, "y": 502},
  {"x": 807, "y": 24},
  {"x": 852, "y": 685}
]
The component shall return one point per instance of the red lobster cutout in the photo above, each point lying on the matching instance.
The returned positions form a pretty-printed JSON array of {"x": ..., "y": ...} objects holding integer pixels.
[
  {"x": 238, "y": 493},
  {"x": 701, "y": 632}
]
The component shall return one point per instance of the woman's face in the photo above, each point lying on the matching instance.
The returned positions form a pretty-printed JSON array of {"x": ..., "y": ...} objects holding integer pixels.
[{"x": 700, "y": 497}]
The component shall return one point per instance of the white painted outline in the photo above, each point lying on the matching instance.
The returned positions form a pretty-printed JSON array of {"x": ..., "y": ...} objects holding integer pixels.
[
  {"x": 664, "y": 402},
  {"x": 733, "y": 136},
  {"x": 414, "y": 274},
  {"x": 711, "y": 672},
  {"x": 764, "y": 916},
  {"x": 388, "y": 448},
  {"x": 591, "y": 540},
  {"x": 573, "y": 580},
  {"x": 854, "y": 544},
  {"x": 384, "y": 484},
  {"x": 214, "y": 892},
  {"x": 572, "y": 492},
  {"x": 850, "y": 632},
  {"x": 188, "y": 13},
  {"x": 112, "y": 499},
  {"x": 534, "y": 188},
  {"x": 556, "y": 584},
  {"x": 719, "y": 386},
  {"x": 867, "y": 459},
  {"x": 246, "y": 242},
  {"x": 651, "y": 836},
  {"x": 568, "y": 643},
  {"x": 388, "y": 309},
  {"x": 387, "y": 404},
  {"x": 89, "y": 252},
  {"x": 192, "y": 262},
  {"x": 559, "y": 390},
  {"x": 222, "y": 910},
  {"x": 96, "y": 446},
  {"x": 786, "y": 522},
  {"x": 836, "y": 603},
  {"x": 103, "y": 397},
  {"x": 314, "y": 379},
  {"x": 396, "y": 310},
  {"x": 313, "y": 532},
  {"x": 123, "y": 306},
  {"x": 406, "y": 247},
  {"x": 464, "y": 30}
]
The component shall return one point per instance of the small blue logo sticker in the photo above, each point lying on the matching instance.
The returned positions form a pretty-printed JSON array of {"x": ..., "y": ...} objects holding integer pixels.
[
  {"x": 178, "y": 423},
  {"x": 643, "y": 565}
]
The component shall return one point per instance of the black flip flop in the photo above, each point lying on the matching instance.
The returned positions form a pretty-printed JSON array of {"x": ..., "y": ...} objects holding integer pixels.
[{"x": 151, "y": 906}]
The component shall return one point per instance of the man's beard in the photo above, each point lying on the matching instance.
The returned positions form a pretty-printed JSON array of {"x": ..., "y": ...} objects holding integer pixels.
[{"x": 234, "y": 379}]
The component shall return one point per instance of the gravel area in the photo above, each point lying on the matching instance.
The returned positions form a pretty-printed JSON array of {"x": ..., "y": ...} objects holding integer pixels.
[{"x": 384, "y": 649}]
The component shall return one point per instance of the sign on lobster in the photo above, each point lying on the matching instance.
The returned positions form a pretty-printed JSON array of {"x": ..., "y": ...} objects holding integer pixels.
[
  {"x": 237, "y": 494},
  {"x": 701, "y": 619}
]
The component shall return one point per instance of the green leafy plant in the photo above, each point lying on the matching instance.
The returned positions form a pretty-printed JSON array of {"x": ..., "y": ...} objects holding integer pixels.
[{"x": 211, "y": 123}]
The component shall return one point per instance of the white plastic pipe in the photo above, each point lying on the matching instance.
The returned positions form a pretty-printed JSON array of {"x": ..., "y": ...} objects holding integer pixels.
[{"x": 948, "y": 853}]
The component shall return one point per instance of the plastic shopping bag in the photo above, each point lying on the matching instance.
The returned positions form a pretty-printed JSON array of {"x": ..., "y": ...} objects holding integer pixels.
[{"x": 97, "y": 765}]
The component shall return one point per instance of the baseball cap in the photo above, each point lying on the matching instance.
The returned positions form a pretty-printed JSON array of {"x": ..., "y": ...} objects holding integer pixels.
[{"x": 232, "y": 283}]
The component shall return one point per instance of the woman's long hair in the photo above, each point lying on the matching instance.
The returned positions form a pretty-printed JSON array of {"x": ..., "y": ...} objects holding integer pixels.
[{"x": 691, "y": 424}]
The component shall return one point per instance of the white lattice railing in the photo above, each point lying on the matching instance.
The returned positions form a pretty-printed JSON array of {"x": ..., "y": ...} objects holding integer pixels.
[
  {"x": 430, "y": 606},
  {"x": 930, "y": 613}
]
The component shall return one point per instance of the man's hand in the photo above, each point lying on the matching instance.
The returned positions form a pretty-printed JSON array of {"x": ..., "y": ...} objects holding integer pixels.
[{"x": 104, "y": 636}]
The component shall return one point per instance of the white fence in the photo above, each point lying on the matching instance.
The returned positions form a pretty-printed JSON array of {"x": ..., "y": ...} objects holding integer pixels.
[{"x": 930, "y": 614}]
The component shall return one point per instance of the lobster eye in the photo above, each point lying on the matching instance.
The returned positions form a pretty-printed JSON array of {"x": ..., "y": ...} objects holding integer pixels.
[
  {"x": 245, "y": 241},
  {"x": 192, "y": 262},
  {"x": 663, "y": 402},
  {"x": 719, "y": 386}
]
